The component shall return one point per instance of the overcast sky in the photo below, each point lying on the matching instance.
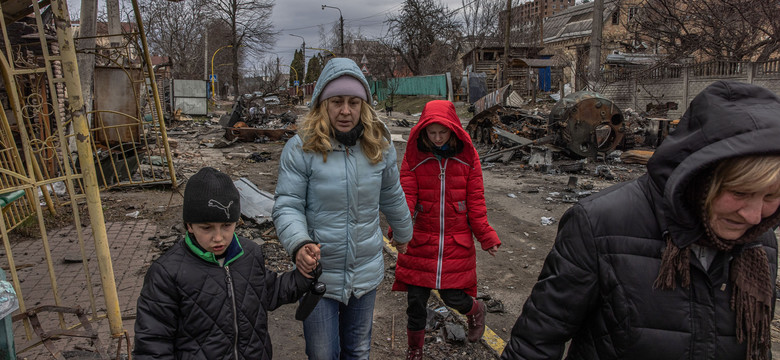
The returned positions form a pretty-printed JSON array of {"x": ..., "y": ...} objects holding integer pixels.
[{"x": 306, "y": 17}]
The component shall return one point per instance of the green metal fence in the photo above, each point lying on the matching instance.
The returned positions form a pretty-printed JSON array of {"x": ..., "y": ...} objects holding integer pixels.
[{"x": 435, "y": 85}]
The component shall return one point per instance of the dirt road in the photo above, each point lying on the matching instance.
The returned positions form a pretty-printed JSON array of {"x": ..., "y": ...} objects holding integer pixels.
[
  {"x": 518, "y": 198},
  {"x": 519, "y": 201}
]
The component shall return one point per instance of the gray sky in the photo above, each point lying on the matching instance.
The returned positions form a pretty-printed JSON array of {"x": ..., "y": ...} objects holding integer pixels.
[{"x": 306, "y": 17}]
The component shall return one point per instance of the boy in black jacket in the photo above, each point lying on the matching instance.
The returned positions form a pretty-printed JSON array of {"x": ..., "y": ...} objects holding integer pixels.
[{"x": 208, "y": 296}]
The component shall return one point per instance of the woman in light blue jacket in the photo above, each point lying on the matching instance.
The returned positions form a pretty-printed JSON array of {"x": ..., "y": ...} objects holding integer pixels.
[{"x": 334, "y": 178}]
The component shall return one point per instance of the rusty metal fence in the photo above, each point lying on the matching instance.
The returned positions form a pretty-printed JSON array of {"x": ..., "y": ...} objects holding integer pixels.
[{"x": 55, "y": 157}]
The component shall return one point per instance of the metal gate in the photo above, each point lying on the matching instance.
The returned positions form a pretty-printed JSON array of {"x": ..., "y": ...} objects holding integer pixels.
[{"x": 55, "y": 157}]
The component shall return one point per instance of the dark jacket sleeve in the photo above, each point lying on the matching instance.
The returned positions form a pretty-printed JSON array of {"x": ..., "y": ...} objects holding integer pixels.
[
  {"x": 565, "y": 293},
  {"x": 157, "y": 311},
  {"x": 284, "y": 288}
]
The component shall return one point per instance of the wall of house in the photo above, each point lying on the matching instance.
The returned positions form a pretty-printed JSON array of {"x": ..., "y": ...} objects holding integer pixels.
[{"x": 674, "y": 88}]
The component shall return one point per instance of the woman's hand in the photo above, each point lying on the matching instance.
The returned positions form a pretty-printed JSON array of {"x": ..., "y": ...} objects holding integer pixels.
[
  {"x": 307, "y": 257},
  {"x": 401, "y": 248},
  {"x": 492, "y": 251}
]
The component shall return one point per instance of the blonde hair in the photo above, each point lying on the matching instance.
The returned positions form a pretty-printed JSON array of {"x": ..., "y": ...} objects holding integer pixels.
[
  {"x": 317, "y": 132},
  {"x": 746, "y": 174}
]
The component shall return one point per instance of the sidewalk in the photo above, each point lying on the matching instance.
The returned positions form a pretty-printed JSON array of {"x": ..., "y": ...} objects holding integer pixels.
[{"x": 131, "y": 254}]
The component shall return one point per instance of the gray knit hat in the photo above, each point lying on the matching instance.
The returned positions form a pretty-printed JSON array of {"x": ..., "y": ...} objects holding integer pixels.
[{"x": 210, "y": 196}]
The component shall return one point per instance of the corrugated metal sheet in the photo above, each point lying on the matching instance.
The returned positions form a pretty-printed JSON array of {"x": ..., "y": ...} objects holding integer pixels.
[
  {"x": 190, "y": 88},
  {"x": 435, "y": 85},
  {"x": 190, "y": 96},
  {"x": 421, "y": 85},
  {"x": 191, "y": 106}
]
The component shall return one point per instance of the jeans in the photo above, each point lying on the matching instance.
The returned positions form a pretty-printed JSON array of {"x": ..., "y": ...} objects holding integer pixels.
[{"x": 335, "y": 331}]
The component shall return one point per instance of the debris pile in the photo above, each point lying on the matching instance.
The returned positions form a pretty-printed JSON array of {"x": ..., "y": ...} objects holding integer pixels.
[
  {"x": 581, "y": 125},
  {"x": 253, "y": 119}
]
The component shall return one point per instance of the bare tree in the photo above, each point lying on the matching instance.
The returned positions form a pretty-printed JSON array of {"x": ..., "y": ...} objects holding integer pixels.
[
  {"x": 732, "y": 30},
  {"x": 480, "y": 20},
  {"x": 177, "y": 30},
  {"x": 249, "y": 22},
  {"x": 425, "y": 36}
]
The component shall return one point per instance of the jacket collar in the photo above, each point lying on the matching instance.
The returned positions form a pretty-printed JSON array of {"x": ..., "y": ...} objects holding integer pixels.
[{"x": 233, "y": 251}]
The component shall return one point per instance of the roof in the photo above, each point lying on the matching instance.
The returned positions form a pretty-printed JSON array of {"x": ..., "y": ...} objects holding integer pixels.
[
  {"x": 494, "y": 43},
  {"x": 574, "y": 22}
]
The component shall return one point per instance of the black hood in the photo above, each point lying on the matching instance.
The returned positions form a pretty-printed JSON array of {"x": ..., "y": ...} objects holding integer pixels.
[{"x": 726, "y": 119}]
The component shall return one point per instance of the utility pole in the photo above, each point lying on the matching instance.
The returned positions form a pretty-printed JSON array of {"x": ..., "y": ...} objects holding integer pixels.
[
  {"x": 341, "y": 26},
  {"x": 114, "y": 23},
  {"x": 507, "y": 49},
  {"x": 86, "y": 59},
  {"x": 541, "y": 29},
  {"x": 341, "y": 29},
  {"x": 206, "y": 55},
  {"x": 594, "y": 65}
]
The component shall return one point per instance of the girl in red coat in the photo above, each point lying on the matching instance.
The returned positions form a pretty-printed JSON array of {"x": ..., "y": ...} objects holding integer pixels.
[{"x": 442, "y": 179}]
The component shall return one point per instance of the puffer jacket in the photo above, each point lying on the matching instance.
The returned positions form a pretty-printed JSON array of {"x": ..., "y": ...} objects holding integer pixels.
[
  {"x": 446, "y": 196},
  {"x": 337, "y": 204},
  {"x": 191, "y": 307},
  {"x": 596, "y": 286}
]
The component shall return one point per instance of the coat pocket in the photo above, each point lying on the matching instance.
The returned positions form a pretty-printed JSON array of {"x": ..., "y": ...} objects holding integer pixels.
[
  {"x": 424, "y": 239},
  {"x": 465, "y": 240}
]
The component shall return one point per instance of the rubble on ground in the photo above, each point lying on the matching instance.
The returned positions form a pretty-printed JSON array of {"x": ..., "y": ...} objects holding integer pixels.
[
  {"x": 581, "y": 125},
  {"x": 252, "y": 119}
]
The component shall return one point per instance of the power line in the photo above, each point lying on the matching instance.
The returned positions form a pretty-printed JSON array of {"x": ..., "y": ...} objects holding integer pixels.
[{"x": 302, "y": 28}]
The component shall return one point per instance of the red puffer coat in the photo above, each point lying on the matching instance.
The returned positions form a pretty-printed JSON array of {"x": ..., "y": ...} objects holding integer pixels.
[{"x": 446, "y": 198}]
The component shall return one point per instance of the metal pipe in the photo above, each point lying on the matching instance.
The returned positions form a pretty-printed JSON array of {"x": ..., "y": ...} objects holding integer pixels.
[
  {"x": 91, "y": 187},
  {"x": 212, "y": 67},
  {"x": 155, "y": 94},
  {"x": 303, "y": 50}
]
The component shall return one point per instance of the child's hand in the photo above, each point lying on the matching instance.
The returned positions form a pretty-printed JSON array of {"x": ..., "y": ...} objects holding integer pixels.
[
  {"x": 401, "y": 248},
  {"x": 493, "y": 250},
  {"x": 306, "y": 259}
]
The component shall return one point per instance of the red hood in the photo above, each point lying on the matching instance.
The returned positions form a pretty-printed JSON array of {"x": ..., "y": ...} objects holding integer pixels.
[{"x": 439, "y": 112}]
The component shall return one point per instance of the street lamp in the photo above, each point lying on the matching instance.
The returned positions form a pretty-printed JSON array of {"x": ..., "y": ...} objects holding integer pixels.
[
  {"x": 212, "y": 68},
  {"x": 296, "y": 78},
  {"x": 303, "y": 48},
  {"x": 341, "y": 27}
]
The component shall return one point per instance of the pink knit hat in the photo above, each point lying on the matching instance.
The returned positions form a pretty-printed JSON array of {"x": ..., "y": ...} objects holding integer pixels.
[{"x": 344, "y": 85}]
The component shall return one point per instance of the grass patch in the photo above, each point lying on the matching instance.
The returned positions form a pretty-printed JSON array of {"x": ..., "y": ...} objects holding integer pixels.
[{"x": 415, "y": 104}]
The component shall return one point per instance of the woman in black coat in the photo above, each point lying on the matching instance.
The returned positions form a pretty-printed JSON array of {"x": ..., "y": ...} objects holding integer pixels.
[{"x": 679, "y": 263}]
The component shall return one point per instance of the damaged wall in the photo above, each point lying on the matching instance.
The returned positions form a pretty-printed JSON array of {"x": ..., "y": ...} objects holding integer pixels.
[{"x": 672, "y": 88}]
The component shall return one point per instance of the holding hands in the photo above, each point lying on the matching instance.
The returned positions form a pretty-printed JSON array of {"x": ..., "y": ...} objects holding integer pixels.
[
  {"x": 401, "y": 248},
  {"x": 307, "y": 257}
]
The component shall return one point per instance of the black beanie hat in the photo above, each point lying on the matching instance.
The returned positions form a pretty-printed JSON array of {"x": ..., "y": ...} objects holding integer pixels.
[{"x": 210, "y": 196}]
